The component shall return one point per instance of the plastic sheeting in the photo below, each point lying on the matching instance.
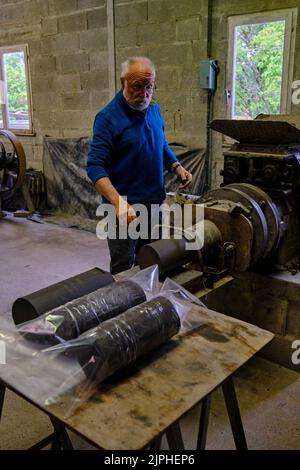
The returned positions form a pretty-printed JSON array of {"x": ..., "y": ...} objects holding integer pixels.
[
  {"x": 193, "y": 160},
  {"x": 118, "y": 342},
  {"x": 72, "y": 370},
  {"x": 69, "y": 189},
  {"x": 79, "y": 315},
  {"x": 70, "y": 320}
]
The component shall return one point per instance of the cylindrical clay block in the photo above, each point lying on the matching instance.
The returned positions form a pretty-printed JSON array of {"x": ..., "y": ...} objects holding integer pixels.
[
  {"x": 79, "y": 315},
  {"x": 33, "y": 305},
  {"x": 121, "y": 340}
]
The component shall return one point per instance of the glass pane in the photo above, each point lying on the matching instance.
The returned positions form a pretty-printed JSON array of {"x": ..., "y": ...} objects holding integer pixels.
[
  {"x": 258, "y": 69},
  {"x": 18, "y": 112}
]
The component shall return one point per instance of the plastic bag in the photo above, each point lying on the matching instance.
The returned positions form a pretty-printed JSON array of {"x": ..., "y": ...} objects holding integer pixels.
[
  {"x": 69, "y": 373},
  {"x": 147, "y": 279},
  {"x": 79, "y": 315},
  {"x": 119, "y": 341},
  {"x": 185, "y": 304},
  {"x": 33, "y": 372}
]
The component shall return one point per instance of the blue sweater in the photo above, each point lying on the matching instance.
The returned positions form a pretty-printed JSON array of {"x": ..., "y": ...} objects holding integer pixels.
[{"x": 129, "y": 147}]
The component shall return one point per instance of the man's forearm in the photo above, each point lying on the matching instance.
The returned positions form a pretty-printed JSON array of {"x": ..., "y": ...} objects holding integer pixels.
[
  {"x": 105, "y": 187},
  {"x": 124, "y": 211}
]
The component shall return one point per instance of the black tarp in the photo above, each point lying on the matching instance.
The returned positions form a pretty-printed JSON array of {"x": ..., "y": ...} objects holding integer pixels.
[{"x": 69, "y": 189}]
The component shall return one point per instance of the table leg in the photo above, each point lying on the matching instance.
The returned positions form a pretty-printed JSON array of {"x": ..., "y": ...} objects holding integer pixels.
[
  {"x": 43, "y": 443},
  {"x": 61, "y": 440},
  {"x": 234, "y": 414},
  {"x": 155, "y": 445},
  {"x": 174, "y": 437},
  {"x": 203, "y": 425}
]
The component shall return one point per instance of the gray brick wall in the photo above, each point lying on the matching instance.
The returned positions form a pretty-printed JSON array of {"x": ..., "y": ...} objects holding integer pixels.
[
  {"x": 68, "y": 64},
  {"x": 168, "y": 31}
]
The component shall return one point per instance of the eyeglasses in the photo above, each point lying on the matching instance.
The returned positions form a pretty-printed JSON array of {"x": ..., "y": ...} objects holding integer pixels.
[{"x": 140, "y": 87}]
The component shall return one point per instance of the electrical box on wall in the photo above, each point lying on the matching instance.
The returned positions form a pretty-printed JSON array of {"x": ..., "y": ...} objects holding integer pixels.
[{"x": 208, "y": 74}]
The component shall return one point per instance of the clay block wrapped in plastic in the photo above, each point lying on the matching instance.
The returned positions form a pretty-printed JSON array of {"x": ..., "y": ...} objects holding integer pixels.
[
  {"x": 121, "y": 340},
  {"x": 70, "y": 320}
]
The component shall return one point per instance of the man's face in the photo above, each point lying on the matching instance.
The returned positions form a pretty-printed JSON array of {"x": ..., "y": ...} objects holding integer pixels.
[{"x": 138, "y": 85}]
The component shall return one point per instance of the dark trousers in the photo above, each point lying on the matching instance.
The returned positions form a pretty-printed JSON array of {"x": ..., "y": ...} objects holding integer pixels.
[{"x": 123, "y": 252}]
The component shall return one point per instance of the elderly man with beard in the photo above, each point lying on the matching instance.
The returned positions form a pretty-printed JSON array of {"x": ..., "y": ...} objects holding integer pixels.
[{"x": 128, "y": 154}]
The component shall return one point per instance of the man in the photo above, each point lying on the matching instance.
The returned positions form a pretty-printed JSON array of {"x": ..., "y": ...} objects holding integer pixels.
[{"x": 128, "y": 153}]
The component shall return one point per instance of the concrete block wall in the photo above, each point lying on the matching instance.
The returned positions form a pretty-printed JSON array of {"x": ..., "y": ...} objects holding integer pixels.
[
  {"x": 173, "y": 34},
  {"x": 67, "y": 42},
  {"x": 69, "y": 61}
]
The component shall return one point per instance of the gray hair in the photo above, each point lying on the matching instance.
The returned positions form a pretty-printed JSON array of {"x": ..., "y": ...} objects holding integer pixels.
[{"x": 134, "y": 60}]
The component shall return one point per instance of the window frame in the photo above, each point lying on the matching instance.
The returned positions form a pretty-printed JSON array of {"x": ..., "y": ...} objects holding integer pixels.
[
  {"x": 290, "y": 17},
  {"x": 4, "y": 106}
]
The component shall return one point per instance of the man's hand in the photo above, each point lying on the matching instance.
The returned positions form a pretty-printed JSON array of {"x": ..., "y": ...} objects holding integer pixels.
[
  {"x": 125, "y": 212},
  {"x": 185, "y": 176}
]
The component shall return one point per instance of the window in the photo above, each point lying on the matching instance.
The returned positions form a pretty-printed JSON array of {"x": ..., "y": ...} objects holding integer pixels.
[
  {"x": 15, "y": 98},
  {"x": 260, "y": 63}
]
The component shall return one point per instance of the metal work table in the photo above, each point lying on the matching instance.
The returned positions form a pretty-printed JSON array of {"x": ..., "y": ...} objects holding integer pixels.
[{"x": 136, "y": 407}]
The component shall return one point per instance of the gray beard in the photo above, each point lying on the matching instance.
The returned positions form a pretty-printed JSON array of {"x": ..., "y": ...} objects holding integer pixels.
[{"x": 135, "y": 107}]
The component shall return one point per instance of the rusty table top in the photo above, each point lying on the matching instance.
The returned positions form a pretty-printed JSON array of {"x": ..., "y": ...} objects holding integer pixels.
[
  {"x": 135, "y": 406},
  {"x": 131, "y": 411}
]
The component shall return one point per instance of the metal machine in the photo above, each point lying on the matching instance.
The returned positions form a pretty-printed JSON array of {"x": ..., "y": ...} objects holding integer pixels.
[
  {"x": 253, "y": 219},
  {"x": 12, "y": 164}
]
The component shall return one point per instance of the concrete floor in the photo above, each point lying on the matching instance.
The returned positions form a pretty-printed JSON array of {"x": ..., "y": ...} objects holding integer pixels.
[{"x": 35, "y": 255}]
